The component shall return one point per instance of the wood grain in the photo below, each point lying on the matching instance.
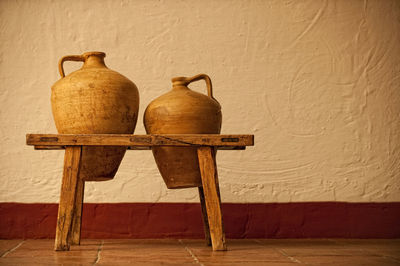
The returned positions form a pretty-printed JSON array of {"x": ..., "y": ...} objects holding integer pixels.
[
  {"x": 209, "y": 176},
  {"x": 77, "y": 216},
  {"x": 58, "y": 140},
  {"x": 205, "y": 217},
  {"x": 66, "y": 208}
]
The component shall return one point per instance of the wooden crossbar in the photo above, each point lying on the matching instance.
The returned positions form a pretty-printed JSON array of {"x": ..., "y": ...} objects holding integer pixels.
[{"x": 59, "y": 141}]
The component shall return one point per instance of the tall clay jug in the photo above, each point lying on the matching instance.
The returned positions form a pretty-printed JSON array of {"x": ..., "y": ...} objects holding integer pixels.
[
  {"x": 182, "y": 111},
  {"x": 95, "y": 100}
]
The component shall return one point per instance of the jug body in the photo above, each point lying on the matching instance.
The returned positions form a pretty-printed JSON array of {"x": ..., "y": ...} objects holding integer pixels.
[
  {"x": 182, "y": 111},
  {"x": 95, "y": 100}
]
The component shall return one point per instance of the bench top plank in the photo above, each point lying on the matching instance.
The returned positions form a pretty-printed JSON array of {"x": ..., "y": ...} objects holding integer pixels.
[{"x": 139, "y": 142}]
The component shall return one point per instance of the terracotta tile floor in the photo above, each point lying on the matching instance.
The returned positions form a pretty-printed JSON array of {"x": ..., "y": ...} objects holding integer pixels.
[{"x": 189, "y": 252}]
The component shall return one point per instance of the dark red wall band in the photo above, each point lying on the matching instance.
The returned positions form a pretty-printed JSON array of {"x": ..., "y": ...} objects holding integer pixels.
[{"x": 183, "y": 220}]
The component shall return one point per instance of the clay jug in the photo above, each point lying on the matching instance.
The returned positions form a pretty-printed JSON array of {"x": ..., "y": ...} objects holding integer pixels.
[
  {"x": 182, "y": 111},
  {"x": 95, "y": 100}
]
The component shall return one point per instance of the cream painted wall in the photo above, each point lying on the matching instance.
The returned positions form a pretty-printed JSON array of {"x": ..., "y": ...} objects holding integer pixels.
[{"x": 317, "y": 82}]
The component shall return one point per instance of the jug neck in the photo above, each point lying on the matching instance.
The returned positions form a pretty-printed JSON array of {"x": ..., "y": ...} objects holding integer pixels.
[
  {"x": 180, "y": 83},
  {"x": 94, "y": 59}
]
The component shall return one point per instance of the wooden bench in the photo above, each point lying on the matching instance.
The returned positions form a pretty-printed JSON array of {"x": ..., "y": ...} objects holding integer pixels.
[{"x": 69, "y": 219}]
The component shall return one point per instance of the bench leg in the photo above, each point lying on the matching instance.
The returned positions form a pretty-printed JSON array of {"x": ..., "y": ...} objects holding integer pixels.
[
  {"x": 77, "y": 217},
  {"x": 68, "y": 195},
  {"x": 205, "y": 218},
  {"x": 209, "y": 178}
]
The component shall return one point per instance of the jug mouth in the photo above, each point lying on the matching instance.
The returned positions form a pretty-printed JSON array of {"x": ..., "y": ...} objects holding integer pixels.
[
  {"x": 95, "y": 53},
  {"x": 180, "y": 81}
]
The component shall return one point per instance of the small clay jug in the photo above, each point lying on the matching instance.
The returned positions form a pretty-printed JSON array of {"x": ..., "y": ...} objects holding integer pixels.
[
  {"x": 182, "y": 111},
  {"x": 95, "y": 100}
]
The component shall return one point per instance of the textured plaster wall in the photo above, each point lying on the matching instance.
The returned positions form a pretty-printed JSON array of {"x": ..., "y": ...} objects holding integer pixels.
[{"x": 317, "y": 82}]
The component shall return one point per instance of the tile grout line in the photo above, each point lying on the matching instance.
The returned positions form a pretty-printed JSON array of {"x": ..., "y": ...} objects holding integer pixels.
[
  {"x": 191, "y": 253},
  {"x": 98, "y": 252},
  {"x": 280, "y": 251},
  {"x": 193, "y": 256},
  {"x": 288, "y": 256},
  {"x": 369, "y": 252},
  {"x": 11, "y": 250}
]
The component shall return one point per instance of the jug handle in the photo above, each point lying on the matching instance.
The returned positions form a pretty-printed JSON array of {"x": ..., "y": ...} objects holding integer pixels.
[
  {"x": 206, "y": 79},
  {"x": 68, "y": 58}
]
